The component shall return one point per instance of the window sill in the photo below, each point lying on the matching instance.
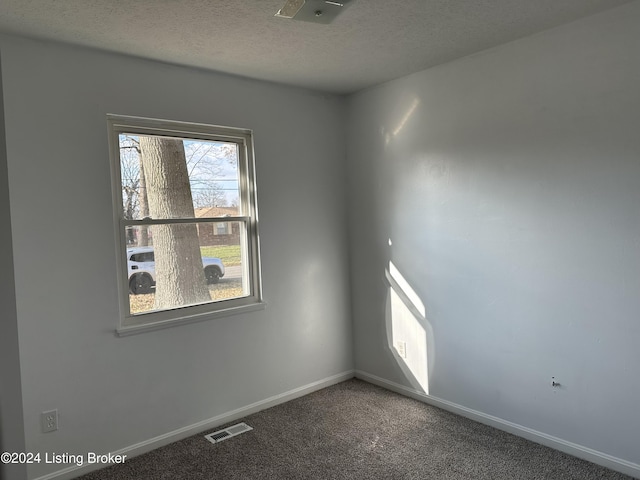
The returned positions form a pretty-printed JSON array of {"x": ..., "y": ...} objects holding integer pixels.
[{"x": 134, "y": 329}]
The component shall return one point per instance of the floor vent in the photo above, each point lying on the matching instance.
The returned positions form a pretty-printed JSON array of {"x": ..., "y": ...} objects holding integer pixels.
[{"x": 228, "y": 432}]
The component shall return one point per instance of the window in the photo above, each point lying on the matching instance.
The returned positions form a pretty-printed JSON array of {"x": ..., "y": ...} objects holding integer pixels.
[
  {"x": 179, "y": 191},
  {"x": 142, "y": 257},
  {"x": 221, "y": 228}
]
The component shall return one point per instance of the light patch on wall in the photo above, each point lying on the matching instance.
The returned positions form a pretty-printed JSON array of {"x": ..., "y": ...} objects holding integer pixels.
[
  {"x": 388, "y": 136},
  {"x": 404, "y": 286},
  {"x": 408, "y": 337}
]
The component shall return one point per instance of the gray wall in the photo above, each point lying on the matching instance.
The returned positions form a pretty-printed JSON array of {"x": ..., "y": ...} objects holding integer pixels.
[
  {"x": 509, "y": 185},
  {"x": 504, "y": 187},
  {"x": 112, "y": 392},
  {"x": 11, "y": 428}
]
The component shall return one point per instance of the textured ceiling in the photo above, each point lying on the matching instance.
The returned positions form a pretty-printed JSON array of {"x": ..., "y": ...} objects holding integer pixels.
[{"x": 371, "y": 42}]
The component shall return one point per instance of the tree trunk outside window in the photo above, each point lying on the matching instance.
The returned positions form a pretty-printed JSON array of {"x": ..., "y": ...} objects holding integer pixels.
[
  {"x": 144, "y": 208},
  {"x": 180, "y": 276}
]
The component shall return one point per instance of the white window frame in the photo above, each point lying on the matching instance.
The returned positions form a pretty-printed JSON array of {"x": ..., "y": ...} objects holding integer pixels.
[{"x": 250, "y": 248}]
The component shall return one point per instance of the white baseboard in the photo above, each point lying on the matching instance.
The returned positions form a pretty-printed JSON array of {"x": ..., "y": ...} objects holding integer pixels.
[
  {"x": 594, "y": 456},
  {"x": 170, "y": 437}
]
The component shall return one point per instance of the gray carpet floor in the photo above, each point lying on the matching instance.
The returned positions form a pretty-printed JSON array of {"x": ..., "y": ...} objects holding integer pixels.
[{"x": 355, "y": 430}]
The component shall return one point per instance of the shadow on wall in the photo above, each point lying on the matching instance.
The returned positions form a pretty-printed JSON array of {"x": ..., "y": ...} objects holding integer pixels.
[{"x": 408, "y": 331}]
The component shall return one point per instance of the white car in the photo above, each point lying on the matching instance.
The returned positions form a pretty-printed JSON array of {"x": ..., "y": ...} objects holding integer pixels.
[{"x": 142, "y": 269}]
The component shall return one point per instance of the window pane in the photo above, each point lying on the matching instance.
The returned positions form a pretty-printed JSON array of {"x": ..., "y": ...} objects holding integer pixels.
[
  {"x": 210, "y": 172},
  {"x": 175, "y": 265}
]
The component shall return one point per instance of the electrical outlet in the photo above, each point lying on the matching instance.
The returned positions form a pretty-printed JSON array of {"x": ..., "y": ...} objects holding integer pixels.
[
  {"x": 49, "y": 421},
  {"x": 401, "y": 347}
]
